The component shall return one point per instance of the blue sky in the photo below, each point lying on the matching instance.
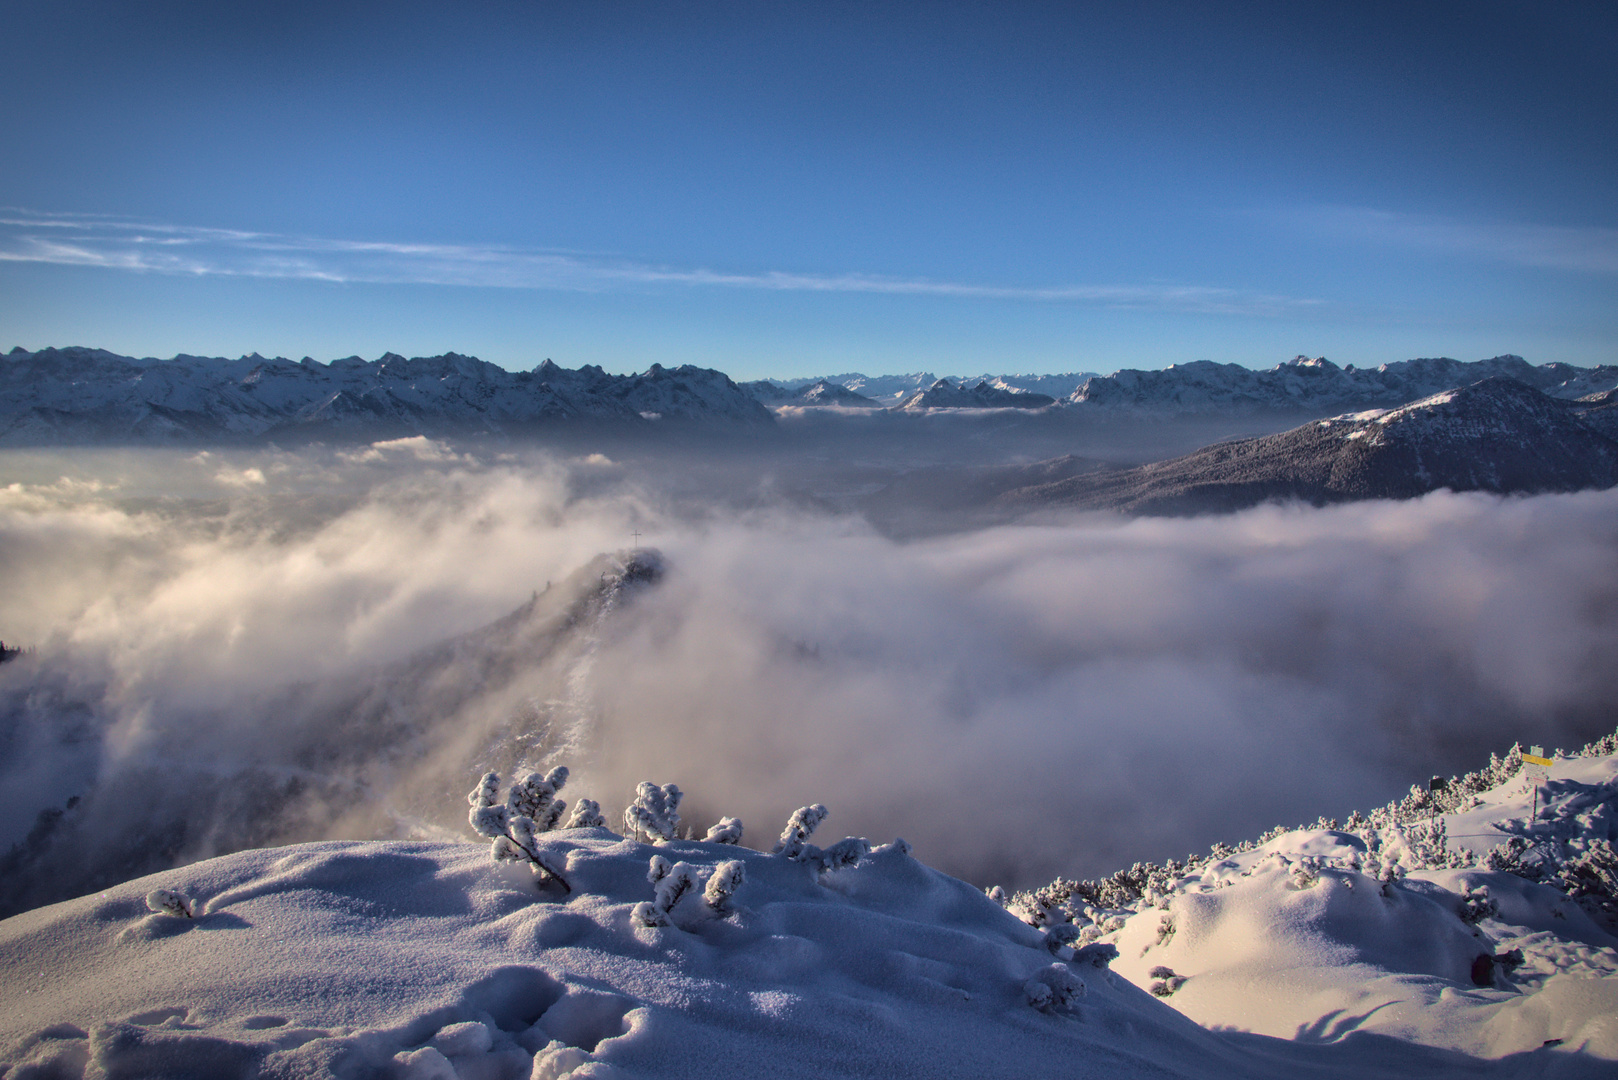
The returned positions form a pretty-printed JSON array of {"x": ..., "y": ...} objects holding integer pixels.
[{"x": 797, "y": 188}]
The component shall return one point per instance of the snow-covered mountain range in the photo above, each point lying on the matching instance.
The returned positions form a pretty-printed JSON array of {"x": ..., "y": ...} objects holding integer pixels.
[
  {"x": 78, "y": 395},
  {"x": 89, "y": 395},
  {"x": 1302, "y": 385},
  {"x": 1498, "y": 435},
  {"x": 1316, "y": 385}
]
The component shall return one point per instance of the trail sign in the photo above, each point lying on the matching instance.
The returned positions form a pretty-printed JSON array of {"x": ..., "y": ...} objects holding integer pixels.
[{"x": 1539, "y": 768}]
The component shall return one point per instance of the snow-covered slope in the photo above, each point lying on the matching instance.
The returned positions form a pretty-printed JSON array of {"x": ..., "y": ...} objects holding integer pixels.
[
  {"x": 88, "y": 395},
  {"x": 429, "y": 960},
  {"x": 1497, "y": 435},
  {"x": 1316, "y": 385},
  {"x": 1487, "y": 929}
]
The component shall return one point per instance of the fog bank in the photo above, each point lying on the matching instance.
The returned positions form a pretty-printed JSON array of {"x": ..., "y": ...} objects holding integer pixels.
[{"x": 263, "y": 647}]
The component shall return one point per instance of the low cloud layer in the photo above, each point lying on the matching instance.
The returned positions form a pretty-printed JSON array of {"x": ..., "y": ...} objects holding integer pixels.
[{"x": 254, "y": 643}]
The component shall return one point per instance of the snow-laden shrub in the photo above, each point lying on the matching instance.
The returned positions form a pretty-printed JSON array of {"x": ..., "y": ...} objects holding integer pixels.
[
  {"x": 168, "y": 902},
  {"x": 1516, "y": 856},
  {"x": 513, "y": 832},
  {"x": 534, "y": 797},
  {"x": 655, "y": 811},
  {"x": 843, "y": 855},
  {"x": 1061, "y": 934},
  {"x": 727, "y": 831},
  {"x": 586, "y": 815},
  {"x": 1591, "y": 878},
  {"x": 794, "y": 843},
  {"x": 1055, "y": 989},
  {"x": 1476, "y": 905},
  {"x": 800, "y": 827},
  {"x": 1305, "y": 873},
  {"x": 672, "y": 882},
  {"x": 1166, "y": 981},
  {"x": 726, "y": 878}
]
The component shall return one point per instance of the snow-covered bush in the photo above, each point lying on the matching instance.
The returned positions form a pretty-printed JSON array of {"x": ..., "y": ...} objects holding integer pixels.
[
  {"x": 586, "y": 815},
  {"x": 726, "y": 878},
  {"x": 534, "y": 797},
  {"x": 168, "y": 902},
  {"x": 672, "y": 882},
  {"x": 1055, "y": 989},
  {"x": 1166, "y": 981},
  {"x": 655, "y": 811},
  {"x": 794, "y": 843},
  {"x": 800, "y": 826},
  {"x": 1476, "y": 905},
  {"x": 727, "y": 831},
  {"x": 1514, "y": 857},
  {"x": 1305, "y": 873},
  {"x": 1061, "y": 934},
  {"x": 843, "y": 855},
  {"x": 1591, "y": 878},
  {"x": 511, "y": 828}
]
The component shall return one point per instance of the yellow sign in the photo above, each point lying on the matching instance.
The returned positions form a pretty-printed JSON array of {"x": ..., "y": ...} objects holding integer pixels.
[{"x": 1532, "y": 760}]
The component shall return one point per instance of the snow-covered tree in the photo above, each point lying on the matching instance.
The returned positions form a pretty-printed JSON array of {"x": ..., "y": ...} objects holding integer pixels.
[
  {"x": 655, "y": 811},
  {"x": 727, "y": 831}
]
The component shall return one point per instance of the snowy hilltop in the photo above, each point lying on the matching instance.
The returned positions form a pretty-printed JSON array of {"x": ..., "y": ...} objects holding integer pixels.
[
  {"x": 1467, "y": 932},
  {"x": 89, "y": 395}
]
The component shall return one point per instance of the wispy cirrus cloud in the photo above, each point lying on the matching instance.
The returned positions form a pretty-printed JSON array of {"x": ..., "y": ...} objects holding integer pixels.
[
  {"x": 111, "y": 243},
  {"x": 1592, "y": 249}
]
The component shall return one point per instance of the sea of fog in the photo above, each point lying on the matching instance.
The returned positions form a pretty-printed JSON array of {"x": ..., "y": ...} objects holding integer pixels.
[{"x": 241, "y": 648}]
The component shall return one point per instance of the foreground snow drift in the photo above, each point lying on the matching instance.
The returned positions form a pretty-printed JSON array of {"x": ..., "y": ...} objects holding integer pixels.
[
  {"x": 426, "y": 960},
  {"x": 1301, "y": 937}
]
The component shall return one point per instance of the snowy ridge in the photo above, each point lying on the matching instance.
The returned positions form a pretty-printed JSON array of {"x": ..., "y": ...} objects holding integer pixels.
[
  {"x": 1498, "y": 434},
  {"x": 1315, "y": 384},
  {"x": 892, "y": 390},
  {"x": 71, "y": 395},
  {"x": 946, "y": 395},
  {"x": 1478, "y": 917}
]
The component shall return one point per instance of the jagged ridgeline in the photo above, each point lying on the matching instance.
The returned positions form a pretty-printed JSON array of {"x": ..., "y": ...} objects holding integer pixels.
[
  {"x": 80, "y": 395},
  {"x": 1576, "y": 856},
  {"x": 375, "y": 753}
]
